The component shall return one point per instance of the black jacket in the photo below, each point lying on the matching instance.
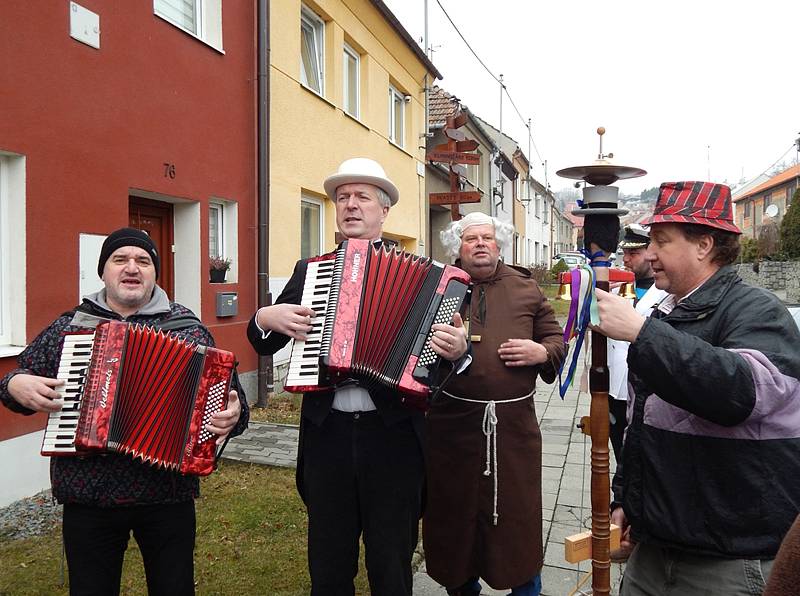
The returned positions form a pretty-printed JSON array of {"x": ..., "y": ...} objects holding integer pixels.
[
  {"x": 712, "y": 452},
  {"x": 109, "y": 479}
]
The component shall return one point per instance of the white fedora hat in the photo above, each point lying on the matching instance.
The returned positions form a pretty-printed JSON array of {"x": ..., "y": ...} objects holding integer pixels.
[{"x": 361, "y": 170}]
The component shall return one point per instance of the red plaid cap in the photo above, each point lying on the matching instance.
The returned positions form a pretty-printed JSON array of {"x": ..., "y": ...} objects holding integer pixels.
[{"x": 702, "y": 203}]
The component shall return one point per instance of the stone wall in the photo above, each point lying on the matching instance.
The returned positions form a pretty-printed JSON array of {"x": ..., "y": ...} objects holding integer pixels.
[{"x": 781, "y": 277}]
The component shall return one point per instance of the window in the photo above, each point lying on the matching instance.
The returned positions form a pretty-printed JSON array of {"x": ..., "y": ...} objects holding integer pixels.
[
  {"x": 546, "y": 211},
  {"x": 200, "y": 18},
  {"x": 397, "y": 116},
  {"x": 216, "y": 230},
  {"x": 183, "y": 13},
  {"x": 475, "y": 172},
  {"x": 310, "y": 228},
  {"x": 12, "y": 236},
  {"x": 538, "y": 205},
  {"x": 312, "y": 51},
  {"x": 767, "y": 202},
  {"x": 747, "y": 209},
  {"x": 5, "y": 251},
  {"x": 223, "y": 218},
  {"x": 352, "y": 70}
]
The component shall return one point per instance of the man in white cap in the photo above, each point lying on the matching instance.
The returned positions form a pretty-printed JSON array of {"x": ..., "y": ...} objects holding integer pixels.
[
  {"x": 483, "y": 516},
  {"x": 360, "y": 468},
  {"x": 634, "y": 248}
]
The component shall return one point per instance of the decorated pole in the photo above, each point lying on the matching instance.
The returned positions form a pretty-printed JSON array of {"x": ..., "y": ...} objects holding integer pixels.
[{"x": 600, "y": 211}]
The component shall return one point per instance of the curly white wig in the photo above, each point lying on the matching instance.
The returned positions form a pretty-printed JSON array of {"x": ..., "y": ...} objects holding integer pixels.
[{"x": 451, "y": 235}]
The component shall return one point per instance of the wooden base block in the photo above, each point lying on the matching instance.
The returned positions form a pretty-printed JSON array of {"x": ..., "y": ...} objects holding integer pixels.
[{"x": 578, "y": 547}]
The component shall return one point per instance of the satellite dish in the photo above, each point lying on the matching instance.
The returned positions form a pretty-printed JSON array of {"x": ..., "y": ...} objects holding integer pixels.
[{"x": 771, "y": 210}]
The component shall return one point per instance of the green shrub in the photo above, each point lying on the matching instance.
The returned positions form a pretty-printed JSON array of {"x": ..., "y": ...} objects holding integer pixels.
[
  {"x": 790, "y": 228},
  {"x": 541, "y": 274},
  {"x": 559, "y": 268},
  {"x": 749, "y": 252}
]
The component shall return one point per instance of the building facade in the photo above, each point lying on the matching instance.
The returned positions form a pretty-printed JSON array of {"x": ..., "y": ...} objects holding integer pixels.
[
  {"x": 753, "y": 205},
  {"x": 122, "y": 113},
  {"x": 442, "y": 105},
  {"x": 346, "y": 80}
]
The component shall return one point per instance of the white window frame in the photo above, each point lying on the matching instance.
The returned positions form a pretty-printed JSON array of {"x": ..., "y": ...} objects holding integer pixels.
[
  {"x": 304, "y": 198},
  {"x": 349, "y": 52},
  {"x": 216, "y": 211},
  {"x": 12, "y": 239},
  {"x": 166, "y": 10},
  {"x": 5, "y": 258},
  {"x": 207, "y": 19},
  {"x": 313, "y": 23},
  {"x": 227, "y": 222},
  {"x": 394, "y": 96}
]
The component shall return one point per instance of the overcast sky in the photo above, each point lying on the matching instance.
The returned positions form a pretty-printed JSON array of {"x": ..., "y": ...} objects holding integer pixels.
[{"x": 683, "y": 88}]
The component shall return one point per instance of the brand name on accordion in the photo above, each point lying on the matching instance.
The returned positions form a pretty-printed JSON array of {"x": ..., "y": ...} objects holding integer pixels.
[
  {"x": 104, "y": 388},
  {"x": 356, "y": 267}
]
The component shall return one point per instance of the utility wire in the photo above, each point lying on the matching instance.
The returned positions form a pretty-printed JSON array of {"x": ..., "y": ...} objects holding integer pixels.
[
  {"x": 469, "y": 46},
  {"x": 496, "y": 78},
  {"x": 775, "y": 163}
]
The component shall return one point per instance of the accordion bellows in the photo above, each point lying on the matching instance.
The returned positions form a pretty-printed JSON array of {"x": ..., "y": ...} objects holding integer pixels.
[
  {"x": 133, "y": 390},
  {"x": 375, "y": 308}
]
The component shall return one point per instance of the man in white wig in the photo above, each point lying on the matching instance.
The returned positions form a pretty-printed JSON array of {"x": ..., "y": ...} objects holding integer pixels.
[{"x": 484, "y": 510}]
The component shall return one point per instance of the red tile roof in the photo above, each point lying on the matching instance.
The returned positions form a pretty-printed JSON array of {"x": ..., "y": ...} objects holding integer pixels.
[
  {"x": 441, "y": 105},
  {"x": 784, "y": 176}
]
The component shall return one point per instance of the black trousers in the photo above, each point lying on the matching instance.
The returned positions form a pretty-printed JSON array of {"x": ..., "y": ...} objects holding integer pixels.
[
  {"x": 95, "y": 540},
  {"x": 618, "y": 421},
  {"x": 361, "y": 476}
]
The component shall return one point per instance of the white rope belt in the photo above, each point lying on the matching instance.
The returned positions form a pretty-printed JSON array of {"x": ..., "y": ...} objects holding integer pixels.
[{"x": 490, "y": 432}]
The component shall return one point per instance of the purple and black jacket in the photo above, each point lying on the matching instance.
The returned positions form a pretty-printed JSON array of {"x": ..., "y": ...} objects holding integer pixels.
[{"x": 711, "y": 460}]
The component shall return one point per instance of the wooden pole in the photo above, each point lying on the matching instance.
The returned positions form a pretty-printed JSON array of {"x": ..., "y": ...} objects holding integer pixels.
[{"x": 598, "y": 417}]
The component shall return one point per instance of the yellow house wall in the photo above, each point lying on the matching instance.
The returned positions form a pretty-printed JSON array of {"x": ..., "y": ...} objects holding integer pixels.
[{"x": 311, "y": 135}]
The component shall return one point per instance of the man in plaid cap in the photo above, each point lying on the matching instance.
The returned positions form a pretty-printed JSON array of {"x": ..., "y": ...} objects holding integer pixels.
[{"x": 710, "y": 479}]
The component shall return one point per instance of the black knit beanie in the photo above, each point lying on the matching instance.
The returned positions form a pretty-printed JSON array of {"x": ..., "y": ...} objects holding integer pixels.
[{"x": 128, "y": 237}]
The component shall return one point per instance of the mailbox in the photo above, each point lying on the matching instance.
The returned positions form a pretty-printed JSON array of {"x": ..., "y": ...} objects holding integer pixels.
[{"x": 227, "y": 304}]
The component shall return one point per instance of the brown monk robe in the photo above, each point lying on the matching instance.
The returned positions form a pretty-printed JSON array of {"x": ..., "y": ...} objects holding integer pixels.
[{"x": 461, "y": 539}]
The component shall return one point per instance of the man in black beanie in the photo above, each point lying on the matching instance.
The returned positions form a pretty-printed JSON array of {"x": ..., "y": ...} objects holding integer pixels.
[{"x": 108, "y": 496}]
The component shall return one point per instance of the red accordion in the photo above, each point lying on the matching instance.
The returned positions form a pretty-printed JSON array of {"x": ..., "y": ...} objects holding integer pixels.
[
  {"x": 375, "y": 308},
  {"x": 131, "y": 389}
]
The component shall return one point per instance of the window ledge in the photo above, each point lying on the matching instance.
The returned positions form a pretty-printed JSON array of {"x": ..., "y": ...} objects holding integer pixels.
[
  {"x": 190, "y": 34},
  {"x": 354, "y": 119},
  {"x": 398, "y": 147},
  {"x": 9, "y": 351},
  {"x": 317, "y": 95}
]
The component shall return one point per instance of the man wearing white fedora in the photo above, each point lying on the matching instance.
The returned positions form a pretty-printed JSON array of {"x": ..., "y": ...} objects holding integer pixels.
[{"x": 360, "y": 467}]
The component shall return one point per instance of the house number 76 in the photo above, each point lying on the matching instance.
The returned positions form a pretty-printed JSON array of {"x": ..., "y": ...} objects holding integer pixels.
[{"x": 169, "y": 170}]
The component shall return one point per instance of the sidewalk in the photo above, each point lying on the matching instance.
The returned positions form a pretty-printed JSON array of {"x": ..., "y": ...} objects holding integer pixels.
[{"x": 566, "y": 455}]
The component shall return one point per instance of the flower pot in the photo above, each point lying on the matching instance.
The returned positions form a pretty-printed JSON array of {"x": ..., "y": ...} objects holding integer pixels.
[{"x": 218, "y": 276}]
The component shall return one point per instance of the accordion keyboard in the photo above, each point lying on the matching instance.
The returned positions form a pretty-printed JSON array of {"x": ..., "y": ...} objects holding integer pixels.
[
  {"x": 61, "y": 427},
  {"x": 304, "y": 360}
]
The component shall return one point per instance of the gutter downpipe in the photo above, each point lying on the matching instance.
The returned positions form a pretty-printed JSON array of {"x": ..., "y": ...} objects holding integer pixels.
[{"x": 266, "y": 385}]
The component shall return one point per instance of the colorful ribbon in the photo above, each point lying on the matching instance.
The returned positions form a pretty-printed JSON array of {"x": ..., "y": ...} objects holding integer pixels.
[{"x": 582, "y": 312}]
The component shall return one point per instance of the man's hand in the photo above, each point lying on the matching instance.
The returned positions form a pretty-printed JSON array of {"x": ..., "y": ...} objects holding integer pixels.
[
  {"x": 450, "y": 341},
  {"x": 618, "y": 319},
  {"x": 223, "y": 421},
  {"x": 289, "y": 319},
  {"x": 35, "y": 393},
  {"x": 522, "y": 352},
  {"x": 625, "y": 543}
]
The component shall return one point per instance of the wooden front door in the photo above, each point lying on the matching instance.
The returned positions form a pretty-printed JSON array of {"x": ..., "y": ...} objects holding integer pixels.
[{"x": 156, "y": 218}]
